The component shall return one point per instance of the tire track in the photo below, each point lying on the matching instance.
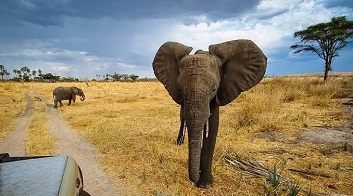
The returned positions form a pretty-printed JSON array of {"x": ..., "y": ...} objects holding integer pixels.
[
  {"x": 15, "y": 142},
  {"x": 67, "y": 142},
  {"x": 71, "y": 143}
]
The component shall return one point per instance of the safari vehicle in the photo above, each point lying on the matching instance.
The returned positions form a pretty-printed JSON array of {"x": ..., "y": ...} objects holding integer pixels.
[{"x": 40, "y": 175}]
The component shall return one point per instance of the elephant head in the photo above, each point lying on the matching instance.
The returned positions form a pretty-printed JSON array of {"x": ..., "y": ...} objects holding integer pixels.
[
  {"x": 78, "y": 91},
  {"x": 205, "y": 79}
]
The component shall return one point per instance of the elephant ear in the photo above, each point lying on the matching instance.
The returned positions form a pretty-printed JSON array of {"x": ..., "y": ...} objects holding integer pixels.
[
  {"x": 74, "y": 90},
  {"x": 166, "y": 69},
  {"x": 243, "y": 66}
]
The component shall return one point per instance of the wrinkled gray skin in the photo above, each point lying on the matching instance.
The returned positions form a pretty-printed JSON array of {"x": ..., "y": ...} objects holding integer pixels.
[
  {"x": 201, "y": 83},
  {"x": 67, "y": 93}
]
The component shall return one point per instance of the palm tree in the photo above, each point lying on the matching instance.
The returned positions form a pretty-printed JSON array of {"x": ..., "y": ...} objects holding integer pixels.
[
  {"x": 40, "y": 76},
  {"x": 7, "y": 74},
  {"x": 34, "y": 73},
  {"x": 107, "y": 76},
  {"x": 28, "y": 72},
  {"x": 19, "y": 73},
  {"x": 15, "y": 72},
  {"x": 2, "y": 71},
  {"x": 25, "y": 71}
]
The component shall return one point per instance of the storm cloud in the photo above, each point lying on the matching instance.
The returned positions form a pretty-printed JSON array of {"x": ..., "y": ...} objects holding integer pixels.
[{"x": 83, "y": 38}]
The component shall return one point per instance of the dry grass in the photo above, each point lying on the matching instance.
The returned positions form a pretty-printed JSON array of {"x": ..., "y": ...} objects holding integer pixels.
[
  {"x": 12, "y": 105},
  {"x": 135, "y": 125}
]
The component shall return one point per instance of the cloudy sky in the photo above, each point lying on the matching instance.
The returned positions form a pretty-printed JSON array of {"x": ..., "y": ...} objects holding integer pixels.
[{"x": 85, "y": 38}]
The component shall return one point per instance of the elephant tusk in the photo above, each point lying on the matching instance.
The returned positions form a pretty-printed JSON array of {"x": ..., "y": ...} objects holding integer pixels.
[
  {"x": 207, "y": 129},
  {"x": 184, "y": 128}
]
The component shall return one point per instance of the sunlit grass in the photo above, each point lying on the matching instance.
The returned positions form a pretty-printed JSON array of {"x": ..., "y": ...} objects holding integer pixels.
[
  {"x": 12, "y": 105},
  {"x": 134, "y": 126}
]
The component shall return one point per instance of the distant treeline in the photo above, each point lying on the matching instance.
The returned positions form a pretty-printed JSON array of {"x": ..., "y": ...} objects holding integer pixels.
[{"x": 27, "y": 75}]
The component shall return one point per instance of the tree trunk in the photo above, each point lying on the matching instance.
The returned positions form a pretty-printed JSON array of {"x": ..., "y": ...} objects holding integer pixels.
[{"x": 327, "y": 69}]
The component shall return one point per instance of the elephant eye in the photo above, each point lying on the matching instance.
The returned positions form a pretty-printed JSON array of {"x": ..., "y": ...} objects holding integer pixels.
[{"x": 214, "y": 89}]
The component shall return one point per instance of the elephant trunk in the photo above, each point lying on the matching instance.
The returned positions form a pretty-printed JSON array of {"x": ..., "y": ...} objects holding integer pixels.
[
  {"x": 195, "y": 142},
  {"x": 197, "y": 113},
  {"x": 82, "y": 97}
]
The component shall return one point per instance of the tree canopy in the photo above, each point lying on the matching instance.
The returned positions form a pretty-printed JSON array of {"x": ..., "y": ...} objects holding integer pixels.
[{"x": 325, "y": 40}]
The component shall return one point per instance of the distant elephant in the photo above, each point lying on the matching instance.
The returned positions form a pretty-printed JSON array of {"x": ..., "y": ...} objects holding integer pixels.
[
  {"x": 67, "y": 93},
  {"x": 201, "y": 83}
]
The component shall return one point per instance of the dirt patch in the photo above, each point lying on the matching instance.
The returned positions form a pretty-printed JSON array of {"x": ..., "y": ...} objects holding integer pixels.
[
  {"x": 272, "y": 136},
  {"x": 341, "y": 135},
  {"x": 326, "y": 135},
  {"x": 316, "y": 135},
  {"x": 69, "y": 143}
]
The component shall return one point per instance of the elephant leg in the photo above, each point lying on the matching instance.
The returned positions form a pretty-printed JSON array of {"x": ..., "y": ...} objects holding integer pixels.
[
  {"x": 69, "y": 102},
  {"x": 55, "y": 104},
  {"x": 208, "y": 146},
  {"x": 61, "y": 104},
  {"x": 181, "y": 135}
]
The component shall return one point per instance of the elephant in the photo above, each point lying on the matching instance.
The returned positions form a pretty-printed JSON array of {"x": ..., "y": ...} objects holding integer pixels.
[
  {"x": 202, "y": 82},
  {"x": 67, "y": 93}
]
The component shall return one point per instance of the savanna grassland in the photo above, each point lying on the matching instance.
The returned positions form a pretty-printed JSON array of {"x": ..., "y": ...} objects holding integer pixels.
[{"x": 134, "y": 126}]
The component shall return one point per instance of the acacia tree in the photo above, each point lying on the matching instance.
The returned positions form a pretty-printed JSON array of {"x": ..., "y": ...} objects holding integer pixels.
[
  {"x": 116, "y": 77},
  {"x": 325, "y": 39},
  {"x": 133, "y": 77}
]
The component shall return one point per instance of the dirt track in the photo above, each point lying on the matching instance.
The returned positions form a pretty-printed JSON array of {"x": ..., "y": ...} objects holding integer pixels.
[
  {"x": 14, "y": 144},
  {"x": 69, "y": 143}
]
